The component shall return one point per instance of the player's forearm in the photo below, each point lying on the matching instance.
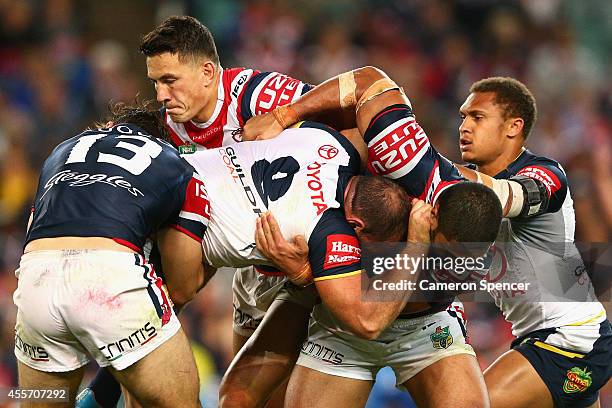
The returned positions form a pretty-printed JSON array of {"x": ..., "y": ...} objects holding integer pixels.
[
  {"x": 520, "y": 196},
  {"x": 331, "y": 99}
]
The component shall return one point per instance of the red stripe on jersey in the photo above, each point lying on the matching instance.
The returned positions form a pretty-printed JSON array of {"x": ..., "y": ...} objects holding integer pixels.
[
  {"x": 397, "y": 148},
  {"x": 341, "y": 250},
  {"x": 546, "y": 176},
  {"x": 196, "y": 199},
  {"x": 441, "y": 186},
  {"x": 186, "y": 232},
  {"x": 423, "y": 195},
  {"x": 385, "y": 111},
  {"x": 127, "y": 244},
  {"x": 277, "y": 90}
]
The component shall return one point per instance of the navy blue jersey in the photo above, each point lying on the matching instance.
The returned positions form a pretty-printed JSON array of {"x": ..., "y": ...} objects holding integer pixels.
[
  {"x": 546, "y": 170},
  {"x": 398, "y": 148},
  {"x": 117, "y": 183}
]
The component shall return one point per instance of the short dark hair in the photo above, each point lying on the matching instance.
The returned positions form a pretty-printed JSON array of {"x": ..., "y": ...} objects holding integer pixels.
[
  {"x": 182, "y": 35},
  {"x": 513, "y": 96},
  {"x": 383, "y": 206},
  {"x": 469, "y": 212},
  {"x": 146, "y": 115}
]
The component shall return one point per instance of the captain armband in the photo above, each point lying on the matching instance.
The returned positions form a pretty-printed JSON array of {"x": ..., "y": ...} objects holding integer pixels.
[
  {"x": 535, "y": 196},
  {"x": 376, "y": 89}
]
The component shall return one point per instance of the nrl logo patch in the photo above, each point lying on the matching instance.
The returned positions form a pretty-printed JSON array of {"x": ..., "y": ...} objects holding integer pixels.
[
  {"x": 577, "y": 380},
  {"x": 187, "y": 149},
  {"x": 442, "y": 338}
]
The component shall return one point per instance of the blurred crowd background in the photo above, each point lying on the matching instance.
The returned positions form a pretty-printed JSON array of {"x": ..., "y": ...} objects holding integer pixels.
[{"x": 62, "y": 61}]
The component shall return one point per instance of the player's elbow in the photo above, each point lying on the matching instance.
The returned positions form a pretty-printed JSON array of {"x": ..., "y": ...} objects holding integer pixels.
[
  {"x": 366, "y": 328},
  {"x": 369, "y": 74},
  {"x": 184, "y": 293}
]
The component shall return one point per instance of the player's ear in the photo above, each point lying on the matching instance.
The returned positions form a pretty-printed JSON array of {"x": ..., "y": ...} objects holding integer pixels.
[
  {"x": 208, "y": 70},
  {"x": 514, "y": 127},
  {"x": 356, "y": 223}
]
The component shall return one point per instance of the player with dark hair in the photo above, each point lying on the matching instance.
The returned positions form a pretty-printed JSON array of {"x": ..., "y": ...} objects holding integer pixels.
[
  {"x": 562, "y": 353},
  {"x": 84, "y": 285},
  {"x": 445, "y": 373},
  {"x": 205, "y": 107}
]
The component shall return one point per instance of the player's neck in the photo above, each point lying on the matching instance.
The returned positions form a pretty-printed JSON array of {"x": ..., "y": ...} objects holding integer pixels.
[
  {"x": 209, "y": 108},
  {"x": 501, "y": 162}
]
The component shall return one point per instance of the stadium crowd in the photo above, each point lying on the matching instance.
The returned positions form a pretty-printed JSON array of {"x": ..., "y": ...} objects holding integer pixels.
[{"x": 57, "y": 74}]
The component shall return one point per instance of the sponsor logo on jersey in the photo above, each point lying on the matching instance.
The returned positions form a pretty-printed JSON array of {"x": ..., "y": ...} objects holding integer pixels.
[
  {"x": 76, "y": 179},
  {"x": 398, "y": 148},
  {"x": 328, "y": 152},
  {"x": 238, "y": 83},
  {"x": 341, "y": 250},
  {"x": 193, "y": 133},
  {"x": 441, "y": 338},
  {"x": 187, "y": 149},
  {"x": 228, "y": 155},
  {"x": 237, "y": 135},
  {"x": 577, "y": 380},
  {"x": 275, "y": 91},
  {"x": 322, "y": 352},
  {"x": 115, "y": 350},
  {"x": 316, "y": 187},
  {"x": 546, "y": 176},
  {"x": 36, "y": 353}
]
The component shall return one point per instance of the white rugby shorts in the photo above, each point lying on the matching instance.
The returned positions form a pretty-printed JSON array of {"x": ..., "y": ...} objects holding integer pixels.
[
  {"x": 252, "y": 295},
  {"x": 407, "y": 346},
  {"x": 74, "y": 303}
]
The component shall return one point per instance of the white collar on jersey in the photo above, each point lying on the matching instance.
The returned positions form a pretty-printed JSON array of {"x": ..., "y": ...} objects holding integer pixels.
[{"x": 218, "y": 106}]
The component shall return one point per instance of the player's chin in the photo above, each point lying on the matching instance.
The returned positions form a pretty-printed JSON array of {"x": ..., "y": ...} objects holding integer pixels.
[
  {"x": 468, "y": 156},
  {"x": 179, "y": 116}
]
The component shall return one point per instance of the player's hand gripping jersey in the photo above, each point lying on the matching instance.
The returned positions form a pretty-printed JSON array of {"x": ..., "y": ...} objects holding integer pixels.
[
  {"x": 399, "y": 149},
  {"x": 117, "y": 183},
  {"x": 242, "y": 93},
  {"x": 299, "y": 176}
]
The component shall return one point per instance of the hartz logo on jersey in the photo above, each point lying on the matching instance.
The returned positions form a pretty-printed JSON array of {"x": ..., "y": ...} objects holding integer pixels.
[{"x": 341, "y": 250}]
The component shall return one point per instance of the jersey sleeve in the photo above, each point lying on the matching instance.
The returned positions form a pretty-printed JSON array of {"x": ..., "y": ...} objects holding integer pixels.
[
  {"x": 399, "y": 149},
  {"x": 334, "y": 250},
  {"x": 194, "y": 215},
  {"x": 553, "y": 176},
  {"x": 266, "y": 91}
]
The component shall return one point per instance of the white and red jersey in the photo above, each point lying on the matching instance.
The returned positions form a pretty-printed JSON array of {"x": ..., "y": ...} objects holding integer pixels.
[
  {"x": 300, "y": 176},
  {"x": 242, "y": 93}
]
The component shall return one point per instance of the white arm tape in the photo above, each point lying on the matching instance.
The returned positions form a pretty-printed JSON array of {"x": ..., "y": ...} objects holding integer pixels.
[{"x": 510, "y": 194}]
